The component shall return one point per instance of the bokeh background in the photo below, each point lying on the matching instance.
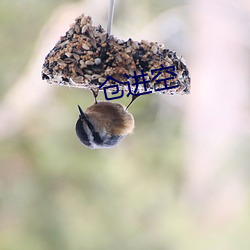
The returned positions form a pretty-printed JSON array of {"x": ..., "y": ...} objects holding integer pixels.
[{"x": 180, "y": 182}]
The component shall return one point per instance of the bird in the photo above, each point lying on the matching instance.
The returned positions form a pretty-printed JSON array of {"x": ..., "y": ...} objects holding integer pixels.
[{"x": 104, "y": 124}]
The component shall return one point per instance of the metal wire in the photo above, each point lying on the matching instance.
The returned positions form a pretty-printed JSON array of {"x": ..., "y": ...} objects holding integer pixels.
[{"x": 110, "y": 15}]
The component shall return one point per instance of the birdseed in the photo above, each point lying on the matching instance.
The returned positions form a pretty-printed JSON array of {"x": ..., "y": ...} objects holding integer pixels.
[{"x": 87, "y": 55}]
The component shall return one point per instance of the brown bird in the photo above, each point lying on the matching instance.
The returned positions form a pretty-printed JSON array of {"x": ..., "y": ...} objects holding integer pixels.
[{"x": 104, "y": 124}]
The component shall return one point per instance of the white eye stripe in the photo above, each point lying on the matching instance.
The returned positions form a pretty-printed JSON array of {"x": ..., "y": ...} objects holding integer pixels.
[{"x": 88, "y": 132}]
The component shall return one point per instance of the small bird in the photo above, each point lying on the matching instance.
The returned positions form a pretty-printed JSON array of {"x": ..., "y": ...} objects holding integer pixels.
[{"x": 103, "y": 124}]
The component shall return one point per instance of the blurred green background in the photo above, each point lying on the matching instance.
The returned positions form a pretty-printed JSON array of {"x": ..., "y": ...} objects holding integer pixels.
[{"x": 181, "y": 181}]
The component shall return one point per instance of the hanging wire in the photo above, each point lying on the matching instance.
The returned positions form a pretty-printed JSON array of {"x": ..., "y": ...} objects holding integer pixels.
[{"x": 110, "y": 15}]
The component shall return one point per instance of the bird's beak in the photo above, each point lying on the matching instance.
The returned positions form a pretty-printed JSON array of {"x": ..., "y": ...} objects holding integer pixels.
[{"x": 82, "y": 115}]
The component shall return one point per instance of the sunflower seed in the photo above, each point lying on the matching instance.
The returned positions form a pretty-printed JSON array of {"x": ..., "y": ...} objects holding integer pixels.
[
  {"x": 84, "y": 29},
  {"x": 77, "y": 29},
  {"x": 88, "y": 76},
  {"x": 68, "y": 54},
  {"x": 95, "y": 76},
  {"x": 88, "y": 62},
  {"x": 77, "y": 57},
  {"x": 101, "y": 80},
  {"x": 61, "y": 62},
  {"x": 120, "y": 42},
  {"x": 145, "y": 42},
  {"x": 77, "y": 79},
  {"x": 85, "y": 46},
  {"x": 69, "y": 60},
  {"x": 154, "y": 49},
  {"x": 78, "y": 70}
]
